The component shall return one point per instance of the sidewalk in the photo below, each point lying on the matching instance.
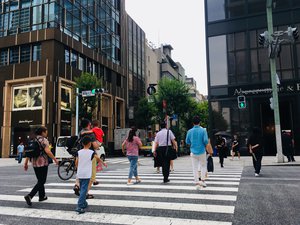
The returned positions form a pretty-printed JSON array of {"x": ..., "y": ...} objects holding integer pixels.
[
  {"x": 266, "y": 161},
  {"x": 9, "y": 162}
]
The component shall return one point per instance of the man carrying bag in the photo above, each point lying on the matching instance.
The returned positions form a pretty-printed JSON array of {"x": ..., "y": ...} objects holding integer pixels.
[{"x": 163, "y": 149}]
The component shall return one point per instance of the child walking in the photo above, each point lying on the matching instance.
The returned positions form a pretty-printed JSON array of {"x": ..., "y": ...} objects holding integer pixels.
[{"x": 84, "y": 171}]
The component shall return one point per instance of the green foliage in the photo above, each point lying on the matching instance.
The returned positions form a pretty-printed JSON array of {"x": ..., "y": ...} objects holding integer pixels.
[
  {"x": 196, "y": 109},
  {"x": 176, "y": 95},
  {"x": 85, "y": 82},
  {"x": 144, "y": 113}
]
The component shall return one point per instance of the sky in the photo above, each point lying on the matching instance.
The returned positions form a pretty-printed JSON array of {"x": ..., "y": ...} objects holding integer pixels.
[{"x": 179, "y": 23}]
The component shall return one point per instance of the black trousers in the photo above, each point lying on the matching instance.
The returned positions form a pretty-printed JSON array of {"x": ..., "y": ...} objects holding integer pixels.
[
  {"x": 165, "y": 161},
  {"x": 221, "y": 157},
  {"x": 41, "y": 175},
  {"x": 257, "y": 162}
]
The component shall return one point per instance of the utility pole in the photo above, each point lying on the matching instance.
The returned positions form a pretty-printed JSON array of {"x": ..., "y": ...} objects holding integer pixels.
[
  {"x": 279, "y": 156},
  {"x": 77, "y": 112}
]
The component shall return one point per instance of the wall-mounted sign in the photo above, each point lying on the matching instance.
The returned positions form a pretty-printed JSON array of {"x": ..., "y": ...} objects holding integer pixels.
[
  {"x": 29, "y": 97},
  {"x": 286, "y": 88},
  {"x": 25, "y": 121}
]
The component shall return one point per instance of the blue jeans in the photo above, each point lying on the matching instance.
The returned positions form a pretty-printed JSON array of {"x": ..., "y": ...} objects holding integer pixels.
[
  {"x": 20, "y": 157},
  {"x": 133, "y": 166},
  {"x": 84, "y": 184}
]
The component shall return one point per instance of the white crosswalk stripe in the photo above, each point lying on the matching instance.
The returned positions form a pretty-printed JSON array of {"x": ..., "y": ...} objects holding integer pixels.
[{"x": 143, "y": 203}]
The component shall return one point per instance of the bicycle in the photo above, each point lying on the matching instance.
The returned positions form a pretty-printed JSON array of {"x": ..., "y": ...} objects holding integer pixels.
[{"x": 66, "y": 169}]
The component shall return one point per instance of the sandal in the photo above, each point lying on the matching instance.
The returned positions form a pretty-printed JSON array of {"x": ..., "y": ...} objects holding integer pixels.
[
  {"x": 95, "y": 183},
  {"x": 76, "y": 190},
  {"x": 88, "y": 196}
]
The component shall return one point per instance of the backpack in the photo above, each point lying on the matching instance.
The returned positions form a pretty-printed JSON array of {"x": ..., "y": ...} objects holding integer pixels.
[{"x": 34, "y": 149}]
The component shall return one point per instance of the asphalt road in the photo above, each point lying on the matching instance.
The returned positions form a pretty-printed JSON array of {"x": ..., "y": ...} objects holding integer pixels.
[{"x": 228, "y": 199}]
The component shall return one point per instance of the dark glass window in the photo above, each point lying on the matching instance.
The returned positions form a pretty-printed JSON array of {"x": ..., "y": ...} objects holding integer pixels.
[
  {"x": 286, "y": 57},
  {"x": 235, "y": 8},
  {"x": 25, "y": 53},
  {"x": 36, "y": 52},
  {"x": 3, "y": 57},
  {"x": 67, "y": 56},
  {"x": 215, "y": 10},
  {"x": 256, "y": 6},
  {"x": 254, "y": 63},
  {"x": 74, "y": 59},
  {"x": 240, "y": 40},
  {"x": 241, "y": 62},
  {"x": 14, "y": 55}
]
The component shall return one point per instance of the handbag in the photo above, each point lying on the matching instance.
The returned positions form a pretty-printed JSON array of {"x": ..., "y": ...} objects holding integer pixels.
[
  {"x": 170, "y": 152},
  {"x": 210, "y": 164}
]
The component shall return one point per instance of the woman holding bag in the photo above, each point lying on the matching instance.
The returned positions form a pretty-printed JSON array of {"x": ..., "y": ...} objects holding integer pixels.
[
  {"x": 163, "y": 149},
  {"x": 132, "y": 144}
]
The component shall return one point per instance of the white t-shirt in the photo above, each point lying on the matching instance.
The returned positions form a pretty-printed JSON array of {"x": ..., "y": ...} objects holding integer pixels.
[{"x": 84, "y": 170}]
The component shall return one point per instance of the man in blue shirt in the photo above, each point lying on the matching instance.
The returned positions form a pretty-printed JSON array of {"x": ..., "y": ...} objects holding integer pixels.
[
  {"x": 198, "y": 140},
  {"x": 20, "y": 149}
]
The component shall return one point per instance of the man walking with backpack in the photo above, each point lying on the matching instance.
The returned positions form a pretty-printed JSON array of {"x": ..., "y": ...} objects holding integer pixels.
[
  {"x": 198, "y": 140},
  {"x": 39, "y": 158}
]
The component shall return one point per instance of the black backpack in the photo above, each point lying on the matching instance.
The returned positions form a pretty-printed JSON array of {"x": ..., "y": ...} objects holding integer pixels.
[{"x": 34, "y": 149}]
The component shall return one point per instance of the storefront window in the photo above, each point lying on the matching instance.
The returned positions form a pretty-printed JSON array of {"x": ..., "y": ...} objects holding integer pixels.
[
  {"x": 27, "y": 97},
  {"x": 218, "y": 60}
]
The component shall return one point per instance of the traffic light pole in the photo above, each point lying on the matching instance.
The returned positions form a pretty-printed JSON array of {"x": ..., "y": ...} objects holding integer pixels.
[{"x": 280, "y": 158}]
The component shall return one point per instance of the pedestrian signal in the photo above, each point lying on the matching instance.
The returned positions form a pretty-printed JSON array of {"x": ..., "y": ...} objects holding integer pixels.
[{"x": 241, "y": 102}]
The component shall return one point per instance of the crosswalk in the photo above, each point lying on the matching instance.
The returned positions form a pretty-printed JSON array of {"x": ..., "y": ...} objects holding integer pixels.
[{"x": 150, "y": 202}]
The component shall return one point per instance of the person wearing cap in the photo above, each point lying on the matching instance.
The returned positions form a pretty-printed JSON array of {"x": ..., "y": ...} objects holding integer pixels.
[{"x": 164, "y": 139}]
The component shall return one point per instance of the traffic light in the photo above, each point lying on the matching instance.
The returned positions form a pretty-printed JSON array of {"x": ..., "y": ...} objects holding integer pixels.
[
  {"x": 293, "y": 33},
  {"x": 263, "y": 39},
  {"x": 98, "y": 91},
  {"x": 241, "y": 102}
]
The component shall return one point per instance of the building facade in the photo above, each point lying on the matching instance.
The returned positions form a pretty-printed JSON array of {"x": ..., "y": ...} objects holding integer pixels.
[
  {"x": 136, "y": 66},
  {"x": 237, "y": 65},
  {"x": 194, "y": 93},
  {"x": 44, "y": 45}
]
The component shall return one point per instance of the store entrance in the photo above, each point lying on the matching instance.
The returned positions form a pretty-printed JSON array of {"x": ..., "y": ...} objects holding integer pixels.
[{"x": 268, "y": 125}]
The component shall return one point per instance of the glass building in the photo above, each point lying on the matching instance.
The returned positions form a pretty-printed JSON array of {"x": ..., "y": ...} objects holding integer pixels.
[
  {"x": 237, "y": 65},
  {"x": 44, "y": 45},
  {"x": 136, "y": 65}
]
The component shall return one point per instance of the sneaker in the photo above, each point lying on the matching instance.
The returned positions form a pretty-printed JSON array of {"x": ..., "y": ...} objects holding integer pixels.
[
  {"x": 138, "y": 181},
  {"x": 202, "y": 183},
  {"x": 130, "y": 183},
  {"x": 256, "y": 174},
  {"x": 80, "y": 211},
  {"x": 157, "y": 171},
  {"x": 198, "y": 187},
  {"x": 43, "y": 199},
  {"x": 28, "y": 200}
]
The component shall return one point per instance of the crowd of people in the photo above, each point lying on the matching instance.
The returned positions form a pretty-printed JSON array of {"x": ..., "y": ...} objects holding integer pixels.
[{"x": 164, "y": 148}]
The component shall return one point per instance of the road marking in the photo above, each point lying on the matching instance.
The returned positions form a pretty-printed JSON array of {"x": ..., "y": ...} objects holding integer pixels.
[
  {"x": 171, "y": 177},
  {"x": 103, "y": 217},
  {"x": 145, "y": 194},
  {"x": 133, "y": 204},
  {"x": 177, "y": 173},
  {"x": 175, "y": 182},
  {"x": 140, "y": 186},
  {"x": 174, "y": 174}
]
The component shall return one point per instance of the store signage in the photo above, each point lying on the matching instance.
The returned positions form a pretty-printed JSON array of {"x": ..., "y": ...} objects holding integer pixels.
[
  {"x": 289, "y": 88},
  {"x": 25, "y": 121},
  {"x": 66, "y": 121}
]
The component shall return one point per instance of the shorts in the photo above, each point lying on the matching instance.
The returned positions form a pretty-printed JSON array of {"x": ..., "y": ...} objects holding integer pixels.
[
  {"x": 235, "y": 150},
  {"x": 94, "y": 165}
]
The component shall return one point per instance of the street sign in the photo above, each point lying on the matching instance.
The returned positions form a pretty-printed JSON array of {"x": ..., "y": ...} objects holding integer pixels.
[{"x": 87, "y": 94}]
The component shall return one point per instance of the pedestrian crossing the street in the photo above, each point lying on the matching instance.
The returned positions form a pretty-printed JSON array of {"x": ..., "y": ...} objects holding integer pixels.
[{"x": 149, "y": 202}]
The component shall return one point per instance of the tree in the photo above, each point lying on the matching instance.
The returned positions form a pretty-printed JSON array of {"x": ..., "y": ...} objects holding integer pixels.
[
  {"x": 87, "y": 105},
  {"x": 196, "y": 109},
  {"x": 144, "y": 113},
  {"x": 176, "y": 95}
]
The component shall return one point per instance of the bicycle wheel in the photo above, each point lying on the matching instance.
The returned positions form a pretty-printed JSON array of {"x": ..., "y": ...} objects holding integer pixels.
[{"x": 66, "y": 169}]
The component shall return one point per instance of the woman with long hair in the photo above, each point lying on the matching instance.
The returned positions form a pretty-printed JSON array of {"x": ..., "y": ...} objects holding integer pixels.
[{"x": 132, "y": 145}]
